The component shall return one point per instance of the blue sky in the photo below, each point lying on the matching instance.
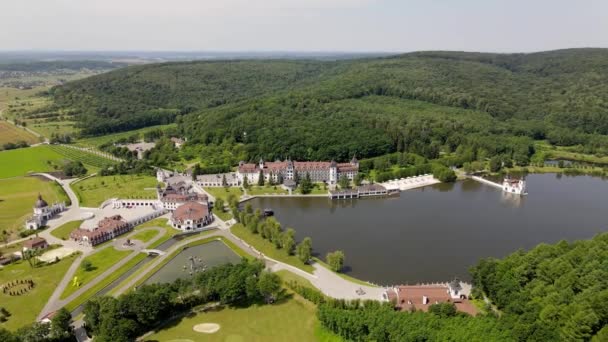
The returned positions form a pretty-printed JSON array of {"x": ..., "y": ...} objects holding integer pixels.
[{"x": 303, "y": 25}]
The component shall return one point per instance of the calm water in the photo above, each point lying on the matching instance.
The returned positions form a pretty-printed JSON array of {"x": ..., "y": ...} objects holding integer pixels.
[
  {"x": 436, "y": 233},
  {"x": 207, "y": 255}
]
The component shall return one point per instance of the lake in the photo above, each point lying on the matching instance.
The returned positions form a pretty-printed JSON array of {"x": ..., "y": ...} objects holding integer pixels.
[{"x": 436, "y": 233}]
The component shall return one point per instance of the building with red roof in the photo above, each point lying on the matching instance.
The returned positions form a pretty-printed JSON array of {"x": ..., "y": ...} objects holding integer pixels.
[{"x": 191, "y": 216}]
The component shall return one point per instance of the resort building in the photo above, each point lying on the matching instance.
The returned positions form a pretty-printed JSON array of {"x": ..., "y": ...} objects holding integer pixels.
[
  {"x": 279, "y": 171},
  {"x": 191, "y": 216},
  {"x": 420, "y": 297},
  {"x": 42, "y": 213},
  {"x": 107, "y": 229},
  {"x": 173, "y": 196},
  {"x": 218, "y": 179},
  {"x": 35, "y": 243}
]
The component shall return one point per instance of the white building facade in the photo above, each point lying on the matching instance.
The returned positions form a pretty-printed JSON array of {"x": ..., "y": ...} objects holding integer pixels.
[{"x": 42, "y": 213}]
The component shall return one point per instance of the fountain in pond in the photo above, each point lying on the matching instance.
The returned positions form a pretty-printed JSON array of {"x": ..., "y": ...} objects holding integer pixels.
[{"x": 196, "y": 265}]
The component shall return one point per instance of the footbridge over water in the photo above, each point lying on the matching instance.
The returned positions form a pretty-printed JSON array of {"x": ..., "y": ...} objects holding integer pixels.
[{"x": 153, "y": 251}]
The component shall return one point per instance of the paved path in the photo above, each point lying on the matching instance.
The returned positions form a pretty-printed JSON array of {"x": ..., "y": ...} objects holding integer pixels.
[
  {"x": 325, "y": 280},
  {"x": 55, "y": 302}
]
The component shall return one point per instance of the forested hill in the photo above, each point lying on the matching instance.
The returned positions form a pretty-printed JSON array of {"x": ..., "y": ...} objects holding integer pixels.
[{"x": 301, "y": 106}]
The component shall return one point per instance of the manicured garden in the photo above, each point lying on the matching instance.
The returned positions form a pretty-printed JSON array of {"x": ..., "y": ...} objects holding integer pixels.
[
  {"x": 291, "y": 320},
  {"x": 159, "y": 223},
  {"x": 144, "y": 235},
  {"x": 99, "y": 263},
  {"x": 95, "y": 190},
  {"x": 64, "y": 231},
  {"x": 17, "y": 198},
  {"x": 25, "y": 308},
  {"x": 267, "y": 248},
  {"x": 22, "y": 161}
]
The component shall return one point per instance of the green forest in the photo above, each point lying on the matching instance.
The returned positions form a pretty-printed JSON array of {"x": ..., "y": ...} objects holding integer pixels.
[{"x": 478, "y": 105}]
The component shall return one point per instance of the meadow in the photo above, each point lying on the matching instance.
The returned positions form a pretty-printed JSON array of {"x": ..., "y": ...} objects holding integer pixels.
[
  {"x": 25, "y": 308},
  {"x": 18, "y": 195},
  {"x": 100, "y": 262},
  {"x": 12, "y": 134},
  {"x": 47, "y": 129},
  {"x": 19, "y": 162},
  {"x": 87, "y": 158},
  {"x": 224, "y": 192},
  {"x": 95, "y": 190}
]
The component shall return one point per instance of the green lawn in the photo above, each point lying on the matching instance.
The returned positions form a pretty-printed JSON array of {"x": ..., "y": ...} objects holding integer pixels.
[
  {"x": 21, "y": 161},
  {"x": 64, "y": 231},
  {"x": 95, "y": 190},
  {"x": 105, "y": 282},
  {"x": 318, "y": 189},
  {"x": 144, "y": 236},
  {"x": 160, "y": 223},
  {"x": 291, "y": 320},
  {"x": 101, "y": 261},
  {"x": 267, "y": 248},
  {"x": 266, "y": 190},
  {"x": 223, "y": 193},
  {"x": 18, "y": 195},
  {"x": 223, "y": 215},
  {"x": 25, "y": 308}
]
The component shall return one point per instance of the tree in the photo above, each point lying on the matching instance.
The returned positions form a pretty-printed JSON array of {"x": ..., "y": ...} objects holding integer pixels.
[
  {"x": 248, "y": 208},
  {"x": 335, "y": 260},
  {"x": 60, "y": 326},
  {"x": 86, "y": 265},
  {"x": 306, "y": 184},
  {"x": 495, "y": 164},
  {"x": 246, "y": 183},
  {"x": 359, "y": 179},
  {"x": 261, "y": 178},
  {"x": 219, "y": 204},
  {"x": 235, "y": 213},
  {"x": 288, "y": 241},
  {"x": 269, "y": 286},
  {"x": 36, "y": 332},
  {"x": 4, "y": 236},
  {"x": 30, "y": 256},
  {"x": 224, "y": 181},
  {"x": 344, "y": 182},
  {"x": 74, "y": 169},
  {"x": 305, "y": 250}
]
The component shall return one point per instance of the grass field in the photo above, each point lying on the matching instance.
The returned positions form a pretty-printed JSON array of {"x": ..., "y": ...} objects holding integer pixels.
[
  {"x": 18, "y": 195},
  {"x": 25, "y": 308},
  {"x": 144, "y": 236},
  {"x": 55, "y": 127},
  {"x": 95, "y": 190},
  {"x": 267, "y": 248},
  {"x": 223, "y": 193},
  {"x": 318, "y": 189},
  {"x": 10, "y": 133},
  {"x": 266, "y": 190},
  {"x": 101, "y": 261},
  {"x": 19, "y": 162},
  {"x": 8, "y": 95},
  {"x": 64, "y": 231},
  {"x": 88, "y": 159},
  {"x": 97, "y": 141},
  {"x": 290, "y": 320},
  {"x": 160, "y": 223}
]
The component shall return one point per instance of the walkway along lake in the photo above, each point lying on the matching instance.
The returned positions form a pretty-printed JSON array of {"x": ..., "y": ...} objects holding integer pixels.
[{"x": 435, "y": 233}]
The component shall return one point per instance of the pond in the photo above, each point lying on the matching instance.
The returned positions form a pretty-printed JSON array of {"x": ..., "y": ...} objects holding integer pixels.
[
  {"x": 194, "y": 259},
  {"x": 436, "y": 233}
]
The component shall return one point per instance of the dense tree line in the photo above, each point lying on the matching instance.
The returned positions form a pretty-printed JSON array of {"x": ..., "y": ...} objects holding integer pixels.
[
  {"x": 375, "y": 321},
  {"x": 58, "y": 330},
  {"x": 551, "y": 293},
  {"x": 424, "y": 103},
  {"x": 132, "y": 314}
]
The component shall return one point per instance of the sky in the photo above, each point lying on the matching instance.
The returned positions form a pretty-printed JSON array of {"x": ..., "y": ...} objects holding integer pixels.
[{"x": 303, "y": 25}]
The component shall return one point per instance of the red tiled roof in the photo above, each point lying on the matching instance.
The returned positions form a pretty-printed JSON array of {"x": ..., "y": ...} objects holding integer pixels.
[
  {"x": 407, "y": 297},
  {"x": 105, "y": 226},
  {"x": 35, "y": 242},
  {"x": 191, "y": 211}
]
